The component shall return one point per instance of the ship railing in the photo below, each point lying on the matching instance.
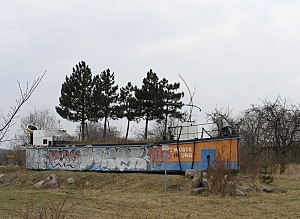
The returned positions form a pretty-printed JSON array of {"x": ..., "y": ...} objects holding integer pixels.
[{"x": 197, "y": 131}]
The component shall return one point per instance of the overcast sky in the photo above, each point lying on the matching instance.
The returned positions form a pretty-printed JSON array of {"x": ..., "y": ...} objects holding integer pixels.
[{"x": 233, "y": 53}]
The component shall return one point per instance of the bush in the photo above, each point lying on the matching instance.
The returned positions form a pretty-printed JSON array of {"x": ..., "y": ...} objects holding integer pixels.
[{"x": 220, "y": 176}]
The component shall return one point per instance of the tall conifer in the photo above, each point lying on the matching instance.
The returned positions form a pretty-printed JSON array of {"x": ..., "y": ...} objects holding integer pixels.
[
  {"x": 171, "y": 101},
  {"x": 149, "y": 99},
  {"x": 75, "y": 100},
  {"x": 105, "y": 98},
  {"x": 127, "y": 105}
]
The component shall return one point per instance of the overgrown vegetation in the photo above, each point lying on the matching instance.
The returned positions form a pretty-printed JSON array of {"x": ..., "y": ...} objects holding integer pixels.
[
  {"x": 48, "y": 210},
  {"x": 270, "y": 130}
]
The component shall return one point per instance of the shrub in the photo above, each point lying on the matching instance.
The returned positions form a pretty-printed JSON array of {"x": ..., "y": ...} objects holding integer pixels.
[
  {"x": 220, "y": 176},
  {"x": 266, "y": 172}
]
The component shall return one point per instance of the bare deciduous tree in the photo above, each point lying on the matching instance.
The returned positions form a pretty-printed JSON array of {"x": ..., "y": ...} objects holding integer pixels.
[
  {"x": 272, "y": 130},
  {"x": 41, "y": 118},
  {"x": 158, "y": 129},
  {"x": 95, "y": 132},
  {"x": 222, "y": 119}
]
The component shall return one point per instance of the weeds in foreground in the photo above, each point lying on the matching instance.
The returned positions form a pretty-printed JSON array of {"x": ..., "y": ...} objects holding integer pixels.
[
  {"x": 221, "y": 177},
  {"x": 23, "y": 212},
  {"x": 48, "y": 210}
]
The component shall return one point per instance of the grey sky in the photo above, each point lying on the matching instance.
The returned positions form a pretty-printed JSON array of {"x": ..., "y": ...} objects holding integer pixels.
[{"x": 233, "y": 52}]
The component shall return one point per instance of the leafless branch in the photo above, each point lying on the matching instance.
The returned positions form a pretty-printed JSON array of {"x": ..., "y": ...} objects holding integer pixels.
[{"x": 8, "y": 120}]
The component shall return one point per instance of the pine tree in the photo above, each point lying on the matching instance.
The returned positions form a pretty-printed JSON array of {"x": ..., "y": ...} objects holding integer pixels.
[
  {"x": 149, "y": 99},
  {"x": 105, "y": 97},
  {"x": 266, "y": 173},
  {"x": 127, "y": 105},
  {"x": 75, "y": 99},
  {"x": 171, "y": 101}
]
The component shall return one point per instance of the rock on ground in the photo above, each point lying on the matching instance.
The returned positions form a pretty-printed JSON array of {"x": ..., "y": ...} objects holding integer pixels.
[
  {"x": 53, "y": 184},
  {"x": 70, "y": 180},
  {"x": 238, "y": 192},
  {"x": 197, "y": 179},
  {"x": 190, "y": 173},
  {"x": 197, "y": 191},
  {"x": 246, "y": 187},
  {"x": 39, "y": 184},
  {"x": 267, "y": 189},
  {"x": 206, "y": 183},
  {"x": 280, "y": 190},
  {"x": 52, "y": 176}
]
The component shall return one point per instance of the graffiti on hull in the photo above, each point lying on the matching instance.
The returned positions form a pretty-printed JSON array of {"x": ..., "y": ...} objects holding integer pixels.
[
  {"x": 157, "y": 155},
  {"x": 144, "y": 157},
  {"x": 124, "y": 158},
  {"x": 63, "y": 157}
]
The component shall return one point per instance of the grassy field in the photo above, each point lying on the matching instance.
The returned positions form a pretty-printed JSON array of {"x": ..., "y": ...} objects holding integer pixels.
[{"x": 138, "y": 195}]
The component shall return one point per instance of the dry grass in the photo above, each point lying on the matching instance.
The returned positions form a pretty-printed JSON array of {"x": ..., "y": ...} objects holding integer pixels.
[{"x": 138, "y": 195}]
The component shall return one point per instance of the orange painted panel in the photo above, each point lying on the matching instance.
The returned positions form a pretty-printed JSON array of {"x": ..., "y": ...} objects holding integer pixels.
[
  {"x": 226, "y": 150},
  {"x": 223, "y": 149}
]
